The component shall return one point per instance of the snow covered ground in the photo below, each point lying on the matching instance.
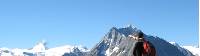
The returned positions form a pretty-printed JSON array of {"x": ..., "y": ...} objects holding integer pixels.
[
  {"x": 195, "y": 51},
  {"x": 41, "y": 50}
]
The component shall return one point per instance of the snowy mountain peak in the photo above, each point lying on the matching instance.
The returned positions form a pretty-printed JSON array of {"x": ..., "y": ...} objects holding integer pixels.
[
  {"x": 129, "y": 26},
  {"x": 174, "y": 43},
  {"x": 40, "y": 47},
  {"x": 118, "y": 43},
  {"x": 40, "y": 50},
  {"x": 130, "y": 29}
]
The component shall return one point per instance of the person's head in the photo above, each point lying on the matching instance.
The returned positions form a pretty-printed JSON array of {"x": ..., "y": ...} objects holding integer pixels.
[{"x": 139, "y": 35}]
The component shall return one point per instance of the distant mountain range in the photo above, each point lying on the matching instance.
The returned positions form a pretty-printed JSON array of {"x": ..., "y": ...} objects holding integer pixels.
[{"x": 116, "y": 42}]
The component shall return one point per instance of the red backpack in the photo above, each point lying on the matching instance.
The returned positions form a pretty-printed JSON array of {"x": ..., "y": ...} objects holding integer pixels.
[{"x": 149, "y": 49}]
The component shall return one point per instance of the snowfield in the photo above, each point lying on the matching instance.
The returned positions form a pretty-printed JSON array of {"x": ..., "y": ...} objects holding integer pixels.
[
  {"x": 41, "y": 50},
  {"x": 195, "y": 51}
]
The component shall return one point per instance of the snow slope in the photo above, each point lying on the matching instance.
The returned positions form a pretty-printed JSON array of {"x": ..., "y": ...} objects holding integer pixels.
[
  {"x": 195, "y": 51},
  {"x": 41, "y": 50}
]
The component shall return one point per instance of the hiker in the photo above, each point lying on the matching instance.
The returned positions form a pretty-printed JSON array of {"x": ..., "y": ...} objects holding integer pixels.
[
  {"x": 138, "y": 50},
  {"x": 143, "y": 47}
]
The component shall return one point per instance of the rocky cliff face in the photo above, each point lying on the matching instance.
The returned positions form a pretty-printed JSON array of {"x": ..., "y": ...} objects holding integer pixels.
[{"x": 116, "y": 42}]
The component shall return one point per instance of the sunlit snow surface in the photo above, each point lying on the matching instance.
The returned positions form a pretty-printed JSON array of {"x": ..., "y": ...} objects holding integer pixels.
[
  {"x": 41, "y": 50},
  {"x": 195, "y": 51}
]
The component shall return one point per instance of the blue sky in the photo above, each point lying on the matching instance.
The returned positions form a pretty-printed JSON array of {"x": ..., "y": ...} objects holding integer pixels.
[{"x": 23, "y": 23}]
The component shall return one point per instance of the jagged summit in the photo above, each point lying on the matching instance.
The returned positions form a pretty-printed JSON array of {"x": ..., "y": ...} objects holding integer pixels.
[
  {"x": 129, "y": 26},
  {"x": 130, "y": 29}
]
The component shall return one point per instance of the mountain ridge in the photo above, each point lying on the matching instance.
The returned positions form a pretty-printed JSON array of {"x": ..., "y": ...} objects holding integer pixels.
[{"x": 117, "y": 42}]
